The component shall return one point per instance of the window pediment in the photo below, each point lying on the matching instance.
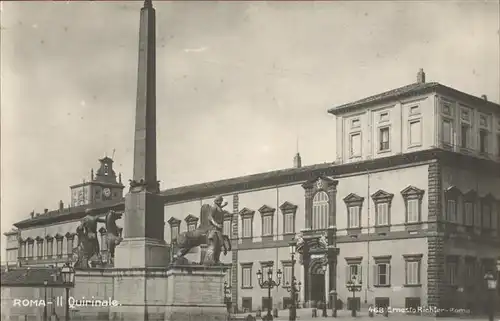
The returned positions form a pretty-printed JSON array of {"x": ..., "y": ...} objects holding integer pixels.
[
  {"x": 413, "y": 257},
  {"x": 190, "y": 219},
  {"x": 470, "y": 195},
  {"x": 247, "y": 213},
  {"x": 353, "y": 200},
  {"x": 266, "y": 210},
  {"x": 382, "y": 259},
  {"x": 69, "y": 235},
  {"x": 246, "y": 264},
  {"x": 354, "y": 260},
  {"x": 488, "y": 198},
  {"x": 288, "y": 207},
  {"x": 412, "y": 192},
  {"x": 452, "y": 191},
  {"x": 382, "y": 196},
  {"x": 266, "y": 264},
  {"x": 174, "y": 221},
  {"x": 320, "y": 183}
]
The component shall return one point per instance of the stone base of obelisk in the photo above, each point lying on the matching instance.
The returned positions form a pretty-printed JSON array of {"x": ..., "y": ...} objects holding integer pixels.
[
  {"x": 141, "y": 252},
  {"x": 181, "y": 293}
]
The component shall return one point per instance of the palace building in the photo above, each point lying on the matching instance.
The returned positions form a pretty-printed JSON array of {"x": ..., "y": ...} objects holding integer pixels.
[{"x": 412, "y": 202}]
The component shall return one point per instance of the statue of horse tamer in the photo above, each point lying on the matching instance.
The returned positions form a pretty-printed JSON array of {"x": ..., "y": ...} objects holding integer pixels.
[{"x": 209, "y": 232}]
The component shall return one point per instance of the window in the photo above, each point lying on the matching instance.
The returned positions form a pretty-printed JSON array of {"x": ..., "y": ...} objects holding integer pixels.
[
  {"x": 464, "y": 136},
  {"x": 355, "y": 145},
  {"x": 39, "y": 248},
  {"x": 50, "y": 247},
  {"x": 413, "y": 204},
  {"x": 486, "y": 216},
  {"x": 447, "y": 132},
  {"x": 415, "y": 133},
  {"x": 382, "y": 201},
  {"x": 191, "y": 227},
  {"x": 483, "y": 141},
  {"x": 289, "y": 223},
  {"x": 30, "y": 249},
  {"x": 175, "y": 225},
  {"x": 451, "y": 272},
  {"x": 413, "y": 305},
  {"x": 267, "y": 215},
  {"x": 412, "y": 269},
  {"x": 192, "y": 222},
  {"x": 247, "y": 227},
  {"x": 59, "y": 246},
  {"x": 470, "y": 270},
  {"x": 227, "y": 228},
  {"x": 69, "y": 245},
  {"x": 320, "y": 210},
  {"x": 451, "y": 210},
  {"x": 353, "y": 220},
  {"x": 246, "y": 275},
  {"x": 354, "y": 269},
  {"x": 469, "y": 213},
  {"x": 498, "y": 145},
  {"x": 355, "y": 123},
  {"x": 384, "y": 139},
  {"x": 246, "y": 304},
  {"x": 382, "y": 269},
  {"x": 287, "y": 273},
  {"x": 247, "y": 222},
  {"x": 289, "y": 210},
  {"x": 267, "y": 225}
]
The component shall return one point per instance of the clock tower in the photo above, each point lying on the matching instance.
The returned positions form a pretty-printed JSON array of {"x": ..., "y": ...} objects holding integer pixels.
[{"x": 103, "y": 186}]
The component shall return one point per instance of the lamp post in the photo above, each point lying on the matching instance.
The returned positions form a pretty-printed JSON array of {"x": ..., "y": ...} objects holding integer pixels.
[
  {"x": 68, "y": 277},
  {"x": 324, "y": 267},
  {"x": 45, "y": 300},
  {"x": 269, "y": 284},
  {"x": 498, "y": 275},
  {"x": 227, "y": 296},
  {"x": 491, "y": 283},
  {"x": 294, "y": 287},
  {"x": 353, "y": 286}
]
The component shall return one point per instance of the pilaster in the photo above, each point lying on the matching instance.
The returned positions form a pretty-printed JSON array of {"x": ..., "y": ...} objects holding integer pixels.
[
  {"x": 436, "y": 286},
  {"x": 234, "y": 252}
]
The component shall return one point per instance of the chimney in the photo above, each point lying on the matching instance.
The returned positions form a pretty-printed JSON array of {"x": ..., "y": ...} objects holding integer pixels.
[
  {"x": 484, "y": 97},
  {"x": 61, "y": 206},
  {"x": 297, "y": 161},
  {"x": 45, "y": 210},
  {"x": 421, "y": 76}
]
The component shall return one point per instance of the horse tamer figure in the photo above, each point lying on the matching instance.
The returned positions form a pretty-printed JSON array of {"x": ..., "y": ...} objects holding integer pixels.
[
  {"x": 209, "y": 232},
  {"x": 88, "y": 242}
]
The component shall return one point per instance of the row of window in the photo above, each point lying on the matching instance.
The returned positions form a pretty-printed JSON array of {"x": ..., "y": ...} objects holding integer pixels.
[
  {"x": 354, "y": 270},
  {"x": 288, "y": 211},
  {"x": 467, "y": 270},
  {"x": 471, "y": 210},
  {"x": 470, "y": 131},
  {"x": 41, "y": 248}
]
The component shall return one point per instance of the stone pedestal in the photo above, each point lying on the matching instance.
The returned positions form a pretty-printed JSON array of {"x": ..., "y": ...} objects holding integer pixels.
[
  {"x": 182, "y": 293},
  {"x": 141, "y": 252}
]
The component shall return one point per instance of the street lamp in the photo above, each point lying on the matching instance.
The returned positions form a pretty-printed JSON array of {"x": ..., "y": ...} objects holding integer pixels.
[
  {"x": 68, "y": 277},
  {"x": 354, "y": 286},
  {"x": 294, "y": 287},
  {"x": 269, "y": 284},
  {"x": 324, "y": 303},
  {"x": 45, "y": 300},
  {"x": 227, "y": 296},
  {"x": 491, "y": 283}
]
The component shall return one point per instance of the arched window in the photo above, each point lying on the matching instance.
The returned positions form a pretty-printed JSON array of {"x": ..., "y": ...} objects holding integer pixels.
[{"x": 320, "y": 209}]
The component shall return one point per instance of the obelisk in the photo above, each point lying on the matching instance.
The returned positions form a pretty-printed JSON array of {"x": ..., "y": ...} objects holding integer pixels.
[{"x": 144, "y": 245}]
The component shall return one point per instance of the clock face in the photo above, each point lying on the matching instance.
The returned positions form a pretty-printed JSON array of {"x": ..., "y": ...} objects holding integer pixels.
[{"x": 106, "y": 192}]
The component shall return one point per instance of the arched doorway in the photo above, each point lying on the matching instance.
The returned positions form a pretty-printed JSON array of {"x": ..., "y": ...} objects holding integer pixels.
[{"x": 317, "y": 281}]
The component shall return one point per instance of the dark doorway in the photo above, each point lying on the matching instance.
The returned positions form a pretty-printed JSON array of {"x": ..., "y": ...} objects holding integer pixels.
[{"x": 317, "y": 287}]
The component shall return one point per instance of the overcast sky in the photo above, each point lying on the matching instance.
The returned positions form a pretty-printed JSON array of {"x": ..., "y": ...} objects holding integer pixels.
[{"x": 237, "y": 82}]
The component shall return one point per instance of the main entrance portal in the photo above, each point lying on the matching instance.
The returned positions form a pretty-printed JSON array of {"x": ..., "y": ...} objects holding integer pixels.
[{"x": 317, "y": 281}]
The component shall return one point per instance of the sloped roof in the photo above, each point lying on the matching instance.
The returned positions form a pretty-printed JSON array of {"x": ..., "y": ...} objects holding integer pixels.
[
  {"x": 33, "y": 277},
  {"x": 414, "y": 89}
]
